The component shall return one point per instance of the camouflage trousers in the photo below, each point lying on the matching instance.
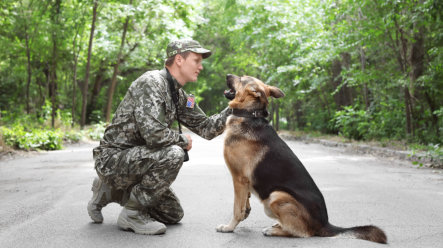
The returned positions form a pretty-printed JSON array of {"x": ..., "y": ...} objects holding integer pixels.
[{"x": 148, "y": 175}]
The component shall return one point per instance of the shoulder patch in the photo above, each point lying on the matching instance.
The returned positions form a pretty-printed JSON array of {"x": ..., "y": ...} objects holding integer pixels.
[{"x": 190, "y": 102}]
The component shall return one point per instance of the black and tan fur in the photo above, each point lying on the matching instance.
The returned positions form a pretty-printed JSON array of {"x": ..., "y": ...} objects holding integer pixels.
[{"x": 261, "y": 163}]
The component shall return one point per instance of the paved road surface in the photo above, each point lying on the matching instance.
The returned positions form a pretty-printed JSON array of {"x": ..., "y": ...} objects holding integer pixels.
[{"x": 44, "y": 197}]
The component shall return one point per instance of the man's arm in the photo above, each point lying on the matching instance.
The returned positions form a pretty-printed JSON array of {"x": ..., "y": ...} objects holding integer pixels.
[{"x": 197, "y": 121}]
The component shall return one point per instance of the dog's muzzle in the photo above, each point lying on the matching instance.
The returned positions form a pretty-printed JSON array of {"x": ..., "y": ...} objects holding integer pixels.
[{"x": 230, "y": 94}]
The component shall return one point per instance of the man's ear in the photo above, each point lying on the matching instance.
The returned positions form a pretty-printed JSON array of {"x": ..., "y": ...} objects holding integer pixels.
[
  {"x": 275, "y": 92},
  {"x": 178, "y": 59}
]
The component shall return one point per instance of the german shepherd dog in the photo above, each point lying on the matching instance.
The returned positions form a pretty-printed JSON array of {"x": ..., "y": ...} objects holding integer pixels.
[{"x": 262, "y": 163}]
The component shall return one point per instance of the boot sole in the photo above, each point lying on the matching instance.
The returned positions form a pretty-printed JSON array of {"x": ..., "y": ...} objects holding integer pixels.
[
  {"x": 95, "y": 186},
  {"x": 127, "y": 226}
]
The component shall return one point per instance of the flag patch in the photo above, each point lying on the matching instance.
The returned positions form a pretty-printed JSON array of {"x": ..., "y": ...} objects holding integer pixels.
[{"x": 190, "y": 102}]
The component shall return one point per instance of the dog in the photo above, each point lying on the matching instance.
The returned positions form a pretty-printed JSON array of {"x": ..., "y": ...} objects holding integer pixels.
[{"x": 261, "y": 163}]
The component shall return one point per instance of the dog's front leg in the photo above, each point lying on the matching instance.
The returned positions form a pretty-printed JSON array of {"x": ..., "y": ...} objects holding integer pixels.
[{"x": 241, "y": 204}]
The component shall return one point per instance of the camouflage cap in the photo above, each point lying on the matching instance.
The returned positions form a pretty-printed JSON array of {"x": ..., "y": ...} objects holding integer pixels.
[{"x": 179, "y": 46}]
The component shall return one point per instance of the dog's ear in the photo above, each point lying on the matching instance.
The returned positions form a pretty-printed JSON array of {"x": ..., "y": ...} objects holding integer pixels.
[
  {"x": 275, "y": 92},
  {"x": 257, "y": 92},
  {"x": 254, "y": 91}
]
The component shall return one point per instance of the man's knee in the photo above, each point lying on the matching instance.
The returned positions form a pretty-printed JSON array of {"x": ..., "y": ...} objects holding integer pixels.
[
  {"x": 178, "y": 152},
  {"x": 176, "y": 218},
  {"x": 175, "y": 155},
  {"x": 167, "y": 216}
]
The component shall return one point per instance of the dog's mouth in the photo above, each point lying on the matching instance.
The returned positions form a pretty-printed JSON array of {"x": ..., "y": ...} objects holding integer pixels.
[{"x": 230, "y": 93}]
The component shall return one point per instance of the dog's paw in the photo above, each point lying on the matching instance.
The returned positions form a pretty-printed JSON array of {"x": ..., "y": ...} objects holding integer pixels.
[
  {"x": 224, "y": 229},
  {"x": 269, "y": 231},
  {"x": 276, "y": 225}
]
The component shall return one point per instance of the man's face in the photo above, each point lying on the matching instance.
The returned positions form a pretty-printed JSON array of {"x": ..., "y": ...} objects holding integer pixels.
[{"x": 191, "y": 67}]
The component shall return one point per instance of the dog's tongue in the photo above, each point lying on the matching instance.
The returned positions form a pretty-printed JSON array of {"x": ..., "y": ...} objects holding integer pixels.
[{"x": 230, "y": 94}]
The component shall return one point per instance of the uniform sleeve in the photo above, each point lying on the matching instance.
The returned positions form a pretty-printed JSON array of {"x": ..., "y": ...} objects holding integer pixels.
[
  {"x": 197, "y": 121},
  {"x": 149, "y": 113}
]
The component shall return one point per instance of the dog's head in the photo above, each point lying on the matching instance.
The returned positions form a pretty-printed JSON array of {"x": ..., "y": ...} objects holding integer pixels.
[{"x": 249, "y": 93}]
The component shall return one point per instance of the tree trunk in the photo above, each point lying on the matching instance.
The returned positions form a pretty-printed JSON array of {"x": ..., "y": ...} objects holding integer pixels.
[
  {"x": 28, "y": 56},
  {"x": 347, "y": 92},
  {"x": 416, "y": 60},
  {"x": 47, "y": 72},
  {"x": 53, "y": 82},
  {"x": 343, "y": 94},
  {"x": 74, "y": 78},
  {"x": 88, "y": 65},
  {"x": 401, "y": 49},
  {"x": 114, "y": 75},
  {"x": 433, "y": 107},
  {"x": 408, "y": 111},
  {"x": 95, "y": 92},
  {"x": 299, "y": 114},
  {"x": 365, "y": 84},
  {"x": 42, "y": 95},
  {"x": 53, "y": 73},
  {"x": 363, "y": 64}
]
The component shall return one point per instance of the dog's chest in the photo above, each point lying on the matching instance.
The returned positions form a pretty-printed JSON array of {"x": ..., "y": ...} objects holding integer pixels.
[{"x": 243, "y": 153}]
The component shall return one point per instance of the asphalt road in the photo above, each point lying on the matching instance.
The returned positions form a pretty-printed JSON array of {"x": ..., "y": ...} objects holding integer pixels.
[{"x": 44, "y": 197}]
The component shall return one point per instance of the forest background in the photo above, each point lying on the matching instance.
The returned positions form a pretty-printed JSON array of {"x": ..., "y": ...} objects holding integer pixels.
[{"x": 365, "y": 70}]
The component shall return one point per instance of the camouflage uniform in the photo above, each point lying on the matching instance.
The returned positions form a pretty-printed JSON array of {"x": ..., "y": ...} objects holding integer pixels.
[{"x": 141, "y": 154}]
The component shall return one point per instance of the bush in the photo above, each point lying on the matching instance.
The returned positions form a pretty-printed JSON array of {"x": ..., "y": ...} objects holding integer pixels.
[
  {"x": 351, "y": 123},
  {"x": 72, "y": 136},
  {"x": 432, "y": 153},
  {"x": 96, "y": 116},
  {"x": 65, "y": 117},
  {"x": 34, "y": 139},
  {"x": 96, "y": 131}
]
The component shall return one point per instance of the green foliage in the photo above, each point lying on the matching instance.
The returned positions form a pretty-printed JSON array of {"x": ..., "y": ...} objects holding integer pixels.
[
  {"x": 351, "y": 123},
  {"x": 431, "y": 153},
  {"x": 385, "y": 121},
  {"x": 318, "y": 52},
  {"x": 96, "y": 131},
  {"x": 65, "y": 117},
  {"x": 72, "y": 136},
  {"x": 28, "y": 132},
  {"x": 35, "y": 139},
  {"x": 96, "y": 116}
]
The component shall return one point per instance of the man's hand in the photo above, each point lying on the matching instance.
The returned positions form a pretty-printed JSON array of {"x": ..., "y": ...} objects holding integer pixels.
[{"x": 188, "y": 148}]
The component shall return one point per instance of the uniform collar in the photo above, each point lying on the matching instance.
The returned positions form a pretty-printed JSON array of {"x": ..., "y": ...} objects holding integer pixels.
[{"x": 176, "y": 83}]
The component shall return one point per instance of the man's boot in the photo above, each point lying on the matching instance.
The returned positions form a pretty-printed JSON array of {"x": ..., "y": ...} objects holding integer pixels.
[
  {"x": 132, "y": 218},
  {"x": 102, "y": 195}
]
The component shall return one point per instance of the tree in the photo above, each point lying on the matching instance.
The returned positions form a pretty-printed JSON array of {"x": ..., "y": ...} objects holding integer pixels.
[
  {"x": 376, "y": 64},
  {"x": 55, "y": 18},
  {"x": 88, "y": 64},
  {"x": 115, "y": 73}
]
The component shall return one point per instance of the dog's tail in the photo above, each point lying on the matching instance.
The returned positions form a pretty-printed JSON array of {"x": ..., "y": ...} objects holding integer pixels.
[{"x": 370, "y": 233}]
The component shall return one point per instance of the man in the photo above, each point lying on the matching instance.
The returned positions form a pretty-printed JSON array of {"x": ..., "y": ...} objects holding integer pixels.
[{"x": 140, "y": 155}]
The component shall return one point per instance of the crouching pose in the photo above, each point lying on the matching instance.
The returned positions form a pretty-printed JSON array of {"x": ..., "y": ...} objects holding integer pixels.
[{"x": 140, "y": 156}]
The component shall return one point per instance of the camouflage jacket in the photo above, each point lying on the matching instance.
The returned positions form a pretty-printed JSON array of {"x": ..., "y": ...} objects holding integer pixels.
[{"x": 145, "y": 115}]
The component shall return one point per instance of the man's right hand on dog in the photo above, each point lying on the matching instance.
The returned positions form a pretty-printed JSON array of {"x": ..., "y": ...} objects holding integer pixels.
[{"x": 188, "y": 148}]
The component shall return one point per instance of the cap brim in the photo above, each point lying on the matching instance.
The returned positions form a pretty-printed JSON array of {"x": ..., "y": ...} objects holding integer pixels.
[{"x": 204, "y": 52}]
